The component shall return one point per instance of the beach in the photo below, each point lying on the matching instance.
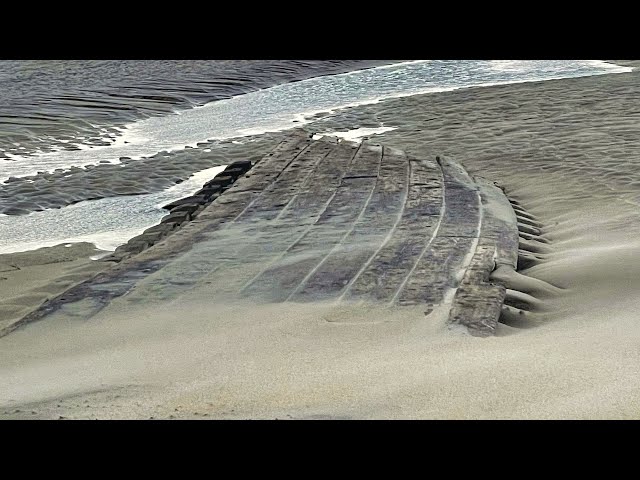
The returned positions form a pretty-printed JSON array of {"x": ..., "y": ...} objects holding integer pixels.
[
  {"x": 566, "y": 150},
  {"x": 28, "y": 279}
]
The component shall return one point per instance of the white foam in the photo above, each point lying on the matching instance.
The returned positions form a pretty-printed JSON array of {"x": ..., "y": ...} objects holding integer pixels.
[{"x": 355, "y": 135}]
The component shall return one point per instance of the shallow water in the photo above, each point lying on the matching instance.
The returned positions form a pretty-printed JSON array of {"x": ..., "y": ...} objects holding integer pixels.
[
  {"x": 107, "y": 222},
  {"x": 50, "y": 104},
  {"x": 276, "y": 108},
  {"x": 285, "y": 106}
]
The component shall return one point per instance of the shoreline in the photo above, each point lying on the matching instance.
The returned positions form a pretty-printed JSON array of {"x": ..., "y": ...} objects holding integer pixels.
[
  {"x": 222, "y": 79},
  {"x": 36, "y": 282},
  {"x": 565, "y": 149},
  {"x": 298, "y": 116},
  {"x": 59, "y": 189}
]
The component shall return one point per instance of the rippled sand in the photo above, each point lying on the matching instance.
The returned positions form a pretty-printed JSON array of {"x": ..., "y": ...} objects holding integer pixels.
[
  {"x": 567, "y": 150},
  {"x": 155, "y": 173},
  {"x": 48, "y": 105}
]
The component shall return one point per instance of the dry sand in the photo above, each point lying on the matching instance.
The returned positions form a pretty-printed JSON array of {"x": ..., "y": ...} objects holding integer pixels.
[
  {"x": 28, "y": 279},
  {"x": 567, "y": 150}
]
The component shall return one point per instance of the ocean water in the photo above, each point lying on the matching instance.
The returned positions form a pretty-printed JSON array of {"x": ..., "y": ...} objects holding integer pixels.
[{"x": 169, "y": 109}]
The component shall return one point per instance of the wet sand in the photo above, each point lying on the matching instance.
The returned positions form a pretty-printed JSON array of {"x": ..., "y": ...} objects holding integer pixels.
[
  {"x": 55, "y": 105},
  {"x": 567, "y": 150},
  {"x": 60, "y": 188}
]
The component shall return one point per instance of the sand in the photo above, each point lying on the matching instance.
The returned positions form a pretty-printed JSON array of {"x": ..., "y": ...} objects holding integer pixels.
[
  {"x": 566, "y": 150},
  {"x": 126, "y": 176},
  {"x": 85, "y": 103},
  {"x": 28, "y": 279}
]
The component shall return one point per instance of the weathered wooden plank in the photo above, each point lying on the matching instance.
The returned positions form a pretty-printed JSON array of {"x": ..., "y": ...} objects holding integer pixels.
[
  {"x": 277, "y": 195},
  {"x": 477, "y": 302},
  {"x": 499, "y": 225},
  {"x": 419, "y": 220},
  {"x": 279, "y": 281},
  {"x": 436, "y": 272},
  {"x": 368, "y": 233}
]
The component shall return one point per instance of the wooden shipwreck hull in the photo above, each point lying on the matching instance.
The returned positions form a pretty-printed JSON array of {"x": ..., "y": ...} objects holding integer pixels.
[{"x": 325, "y": 220}]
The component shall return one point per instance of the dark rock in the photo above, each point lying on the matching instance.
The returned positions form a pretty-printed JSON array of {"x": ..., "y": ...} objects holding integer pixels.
[
  {"x": 186, "y": 207},
  {"x": 213, "y": 197},
  {"x": 208, "y": 192},
  {"x": 222, "y": 180},
  {"x": 161, "y": 229},
  {"x": 211, "y": 185},
  {"x": 177, "y": 218},
  {"x": 245, "y": 165},
  {"x": 197, "y": 198},
  {"x": 136, "y": 246},
  {"x": 150, "y": 238},
  {"x": 234, "y": 172}
]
